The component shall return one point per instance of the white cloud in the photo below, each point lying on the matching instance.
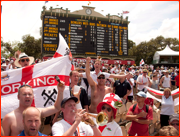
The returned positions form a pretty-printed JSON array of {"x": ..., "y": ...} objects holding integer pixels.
[
  {"x": 168, "y": 28},
  {"x": 148, "y": 19}
]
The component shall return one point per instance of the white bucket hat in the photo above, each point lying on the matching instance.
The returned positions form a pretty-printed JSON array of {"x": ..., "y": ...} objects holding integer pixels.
[{"x": 23, "y": 55}]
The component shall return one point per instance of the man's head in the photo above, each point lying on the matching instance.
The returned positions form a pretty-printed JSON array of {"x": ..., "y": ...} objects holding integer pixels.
[
  {"x": 7, "y": 61},
  {"x": 144, "y": 72},
  {"x": 24, "y": 60},
  {"x": 25, "y": 95},
  {"x": 4, "y": 66},
  {"x": 137, "y": 72},
  {"x": 101, "y": 79},
  {"x": 174, "y": 121},
  {"x": 74, "y": 76},
  {"x": 68, "y": 107},
  {"x": 31, "y": 121},
  {"x": 167, "y": 73},
  {"x": 141, "y": 96},
  {"x": 122, "y": 79},
  {"x": 97, "y": 64},
  {"x": 154, "y": 77}
]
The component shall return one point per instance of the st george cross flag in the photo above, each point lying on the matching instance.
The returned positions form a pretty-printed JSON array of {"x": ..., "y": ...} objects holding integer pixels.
[
  {"x": 41, "y": 77},
  {"x": 63, "y": 48},
  {"x": 125, "y": 12},
  {"x": 141, "y": 62},
  {"x": 176, "y": 91}
]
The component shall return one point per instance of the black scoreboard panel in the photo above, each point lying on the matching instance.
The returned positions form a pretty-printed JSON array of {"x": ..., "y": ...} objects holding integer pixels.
[{"x": 85, "y": 36}]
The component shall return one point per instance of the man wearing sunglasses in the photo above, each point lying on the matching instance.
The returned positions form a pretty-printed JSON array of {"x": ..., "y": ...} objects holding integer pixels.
[
  {"x": 142, "y": 81},
  {"x": 23, "y": 60},
  {"x": 12, "y": 122},
  {"x": 98, "y": 89},
  {"x": 174, "y": 121}
]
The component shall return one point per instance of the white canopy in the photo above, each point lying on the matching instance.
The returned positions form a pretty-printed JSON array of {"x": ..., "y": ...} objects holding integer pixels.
[{"x": 166, "y": 52}]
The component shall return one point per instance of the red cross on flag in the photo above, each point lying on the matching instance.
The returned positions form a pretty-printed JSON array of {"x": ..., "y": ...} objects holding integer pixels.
[
  {"x": 125, "y": 12},
  {"x": 141, "y": 62},
  {"x": 40, "y": 76},
  {"x": 176, "y": 91}
]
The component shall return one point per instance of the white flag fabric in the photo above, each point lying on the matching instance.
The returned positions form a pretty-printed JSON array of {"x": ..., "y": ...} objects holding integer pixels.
[
  {"x": 141, "y": 62},
  {"x": 42, "y": 80},
  {"x": 63, "y": 48},
  {"x": 176, "y": 91}
]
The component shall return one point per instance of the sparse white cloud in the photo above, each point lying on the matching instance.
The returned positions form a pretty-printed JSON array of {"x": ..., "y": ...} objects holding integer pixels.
[
  {"x": 168, "y": 28},
  {"x": 148, "y": 19}
]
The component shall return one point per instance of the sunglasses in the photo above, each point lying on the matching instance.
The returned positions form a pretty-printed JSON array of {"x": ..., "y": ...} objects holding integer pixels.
[
  {"x": 108, "y": 109},
  {"x": 23, "y": 60},
  {"x": 25, "y": 85},
  {"x": 173, "y": 124},
  {"x": 144, "y": 72},
  {"x": 101, "y": 77}
]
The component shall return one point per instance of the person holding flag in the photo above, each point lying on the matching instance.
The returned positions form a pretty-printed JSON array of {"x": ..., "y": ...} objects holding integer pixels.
[
  {"x": 12, "y": 122},
  {"x": 29, "y": 74},
  {"x": 167, "y": 104}
]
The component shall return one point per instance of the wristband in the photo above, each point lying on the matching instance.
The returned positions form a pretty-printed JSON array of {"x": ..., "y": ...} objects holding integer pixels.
[{"x": 93, "y": 126}]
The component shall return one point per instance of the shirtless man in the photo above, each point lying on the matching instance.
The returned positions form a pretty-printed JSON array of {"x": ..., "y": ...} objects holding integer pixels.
[
  {"x": 98, "y": 90},
  {"x": 12, "y": 122}
]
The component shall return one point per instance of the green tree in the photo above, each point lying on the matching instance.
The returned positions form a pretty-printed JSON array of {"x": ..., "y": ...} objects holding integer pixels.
[
  {"x": 8, "y": 49},
  {"x": 31, "y": 46}
]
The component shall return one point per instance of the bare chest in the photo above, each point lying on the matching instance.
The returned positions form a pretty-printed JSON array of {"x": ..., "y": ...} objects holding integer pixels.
[{"x": 17, "y": 126}]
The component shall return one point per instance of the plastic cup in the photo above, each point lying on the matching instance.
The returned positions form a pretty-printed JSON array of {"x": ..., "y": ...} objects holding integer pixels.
[{"x": 76, "y": 89}]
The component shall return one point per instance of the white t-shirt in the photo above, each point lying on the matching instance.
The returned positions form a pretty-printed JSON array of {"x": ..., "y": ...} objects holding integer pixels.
[
  {"x": 166, "y": 82},
  {"x": 112, "y": 129},
  {"x": 132, "y": 81},
  {"x": 60, "y": 127},
  {"x": 142, "y": 79},
  {"x": 167, "y": 106}
]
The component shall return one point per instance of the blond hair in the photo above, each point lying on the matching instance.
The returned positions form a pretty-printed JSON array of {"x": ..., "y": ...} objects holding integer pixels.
[
  {"x": 168, "y": 131},
  {"x": 168, "y": 89}
]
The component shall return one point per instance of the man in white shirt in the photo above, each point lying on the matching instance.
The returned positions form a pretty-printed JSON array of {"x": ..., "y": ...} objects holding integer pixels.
[
  {"x": 71, "y": 124},
  {"x": 142, "y": 81}
]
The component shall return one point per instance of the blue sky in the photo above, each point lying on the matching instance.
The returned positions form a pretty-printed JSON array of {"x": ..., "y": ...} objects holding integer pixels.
[{"x": 148, "y": 19}]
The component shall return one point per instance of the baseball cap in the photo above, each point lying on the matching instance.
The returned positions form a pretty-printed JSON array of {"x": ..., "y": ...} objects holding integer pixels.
[
  {"x": 100, "y": 74},
  {"x": 66, "y": 99},
  {"x": 141, "y": 94},
  {"x": 174, "y": 117}
]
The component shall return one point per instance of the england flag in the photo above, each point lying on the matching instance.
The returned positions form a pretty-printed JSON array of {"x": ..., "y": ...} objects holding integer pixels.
[{"x": 40, "y": 76}]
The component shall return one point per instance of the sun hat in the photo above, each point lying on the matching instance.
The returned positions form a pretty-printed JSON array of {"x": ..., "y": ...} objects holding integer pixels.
[{"x": 23, "y": 55}]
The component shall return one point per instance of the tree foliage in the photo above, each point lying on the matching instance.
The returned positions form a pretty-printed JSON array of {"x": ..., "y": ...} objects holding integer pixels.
[
  {"x": 146, "y": 50},
  {"x": 30, "y": 46}
]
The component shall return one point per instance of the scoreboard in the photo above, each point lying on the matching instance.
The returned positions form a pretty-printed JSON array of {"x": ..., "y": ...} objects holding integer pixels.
[{"x": 85, "y": 36}]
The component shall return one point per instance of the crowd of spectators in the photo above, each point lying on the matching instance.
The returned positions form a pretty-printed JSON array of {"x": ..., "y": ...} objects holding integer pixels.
[{"x": 127, "y": 82}]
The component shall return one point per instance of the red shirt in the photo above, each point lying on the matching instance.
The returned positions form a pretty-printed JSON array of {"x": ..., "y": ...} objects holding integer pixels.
[
  {"x": 149, "y": 101},
  {"x": 137, "y": 128},
  {"x": 177, "y": 80}
]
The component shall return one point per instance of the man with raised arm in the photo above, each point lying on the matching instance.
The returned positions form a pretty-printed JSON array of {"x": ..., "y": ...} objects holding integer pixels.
[
  {"x": 98, "y": 90},
  {"x": 12, "y": 122}
]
